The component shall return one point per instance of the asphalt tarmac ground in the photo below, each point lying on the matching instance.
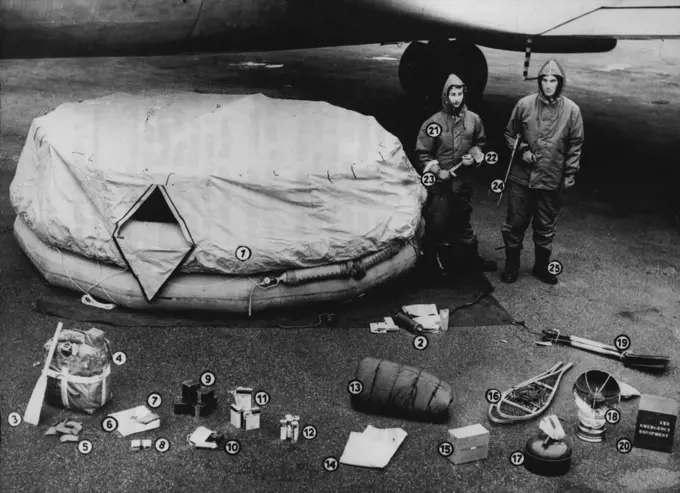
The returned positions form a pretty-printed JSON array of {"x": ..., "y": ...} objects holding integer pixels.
[{"x": 617, "y": 240}]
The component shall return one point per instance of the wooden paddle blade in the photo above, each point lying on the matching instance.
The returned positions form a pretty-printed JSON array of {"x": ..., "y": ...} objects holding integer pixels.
[{"x": 34, "y": 407}]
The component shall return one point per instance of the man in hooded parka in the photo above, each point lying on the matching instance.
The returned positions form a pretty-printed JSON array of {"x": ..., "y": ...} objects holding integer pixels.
[
  {"x": 451, "y": 136},
  {"x": 550, "y": 127}
]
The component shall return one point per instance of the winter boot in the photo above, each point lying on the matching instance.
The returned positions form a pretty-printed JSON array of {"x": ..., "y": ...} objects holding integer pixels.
[
  {"x": 541, "y": 266},
  {"x": 512, "y": 256}
]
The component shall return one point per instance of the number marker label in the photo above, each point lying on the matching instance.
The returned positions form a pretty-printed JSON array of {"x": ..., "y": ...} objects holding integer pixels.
[
  {"x": 445, "y": 449},
  {"x": 309, "y": 432},
  {"x": 428, "y": 179},
  {"x": 85, "y": 447},
  {"x": 624, "y": 445},
  {"x": 434, "y": 130},
  {"x": 330, "y": 464},
  {"x": 493, "y": 396},
  {"x": 420, "y": 342},
  {"x": 243, "y": 253},
  {"x": 262, "y": 398},
  {"x": 109, "y": 424},
  {"x": 355, "y": 387},
  {"x": 517, "y": 458},
  {"x": 555, "y": 267},
  {"x": 120, "y": 358},
  {"x": 208, "y": 379},
  {"x": 162, "y": 445},
  {"x": 613, "y": 416},
  {"x": 232, "y": 447},
  {"x": 622, "y": 342},
  {"x": 14, "y": 419},
  {"x": 491, "y": 157},
  {"x": 154, "y": 400},
  {"x": 497, "y": 186}
]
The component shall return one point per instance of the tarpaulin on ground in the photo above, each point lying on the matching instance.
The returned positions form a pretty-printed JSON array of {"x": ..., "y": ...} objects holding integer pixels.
[{"x": 299, "y": 183}]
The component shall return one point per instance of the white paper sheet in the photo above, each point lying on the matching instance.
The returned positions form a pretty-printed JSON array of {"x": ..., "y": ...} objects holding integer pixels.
[
  {"x": 421, "y": 310},
  {"x": 374, "y": 447}
]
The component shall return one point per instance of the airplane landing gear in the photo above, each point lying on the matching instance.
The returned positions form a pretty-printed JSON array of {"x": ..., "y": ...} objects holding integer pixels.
[{"x": 424, "y": 68}]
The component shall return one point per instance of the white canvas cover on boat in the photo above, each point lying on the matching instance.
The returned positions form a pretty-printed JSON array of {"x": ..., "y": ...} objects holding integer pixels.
[{"x": 299, "y": 183}]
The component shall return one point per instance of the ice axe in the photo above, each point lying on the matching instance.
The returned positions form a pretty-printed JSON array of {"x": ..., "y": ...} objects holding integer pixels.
[
  {"x": 642, "y": 362},
  {"x": 507, "y": 173}
]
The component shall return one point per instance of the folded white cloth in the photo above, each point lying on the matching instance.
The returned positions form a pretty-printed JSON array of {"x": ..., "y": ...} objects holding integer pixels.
[
  {"x": 374, "y": 448},
  {"x": 552, "y": 427},
  {"x": 627, "y": 392}
]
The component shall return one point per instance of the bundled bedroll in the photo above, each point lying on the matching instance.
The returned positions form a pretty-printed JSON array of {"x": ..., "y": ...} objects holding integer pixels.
[
  {"x": 232, "y": 203},
  {"x": 396, "y": 390}
]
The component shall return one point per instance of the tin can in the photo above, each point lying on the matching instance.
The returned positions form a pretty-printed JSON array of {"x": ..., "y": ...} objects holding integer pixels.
[{"x": 284, "y": 429}]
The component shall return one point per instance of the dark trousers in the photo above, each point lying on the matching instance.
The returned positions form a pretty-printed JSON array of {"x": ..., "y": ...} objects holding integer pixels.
[
  {"x": 523, "y": 205},
  {"x": 448, "y": 213}
]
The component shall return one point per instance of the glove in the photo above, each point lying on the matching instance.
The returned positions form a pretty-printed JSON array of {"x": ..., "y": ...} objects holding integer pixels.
[
  {"x": 569, "y": 182},
  {"x": 477, "y": 155},
  {"x": 432, "y": 167},
  {"x": 468, "y": 160},
  {"x": 528, "y": 157},
  {"x": 443, "y": 175}
]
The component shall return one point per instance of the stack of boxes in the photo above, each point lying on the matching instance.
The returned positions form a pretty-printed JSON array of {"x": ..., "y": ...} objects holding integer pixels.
[
  {"x": 196, "y": 400},
  {"x": 243, "y": 414}
]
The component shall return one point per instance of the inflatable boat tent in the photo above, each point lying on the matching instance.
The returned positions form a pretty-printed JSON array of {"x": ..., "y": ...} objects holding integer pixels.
[{"x": 215, "y": 202}]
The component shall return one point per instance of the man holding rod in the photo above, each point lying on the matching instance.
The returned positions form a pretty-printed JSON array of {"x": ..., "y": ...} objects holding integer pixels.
[{"x": 550, "y": 127}]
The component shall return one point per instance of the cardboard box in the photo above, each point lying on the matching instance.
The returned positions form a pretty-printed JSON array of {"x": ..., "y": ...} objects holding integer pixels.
[
  {"x": 203, "y": 410},
  {"x": 205, "y": 395},
  {"x": 656, "y": 421},
  {"x": 243, "y": 397},
  {"x": 236, "y": 416},
  {"x": 189, "y": 390},
  {"x": 251, "y": 418},
  {"x": 182, "y": 407},
  {"x": 470, "y": 443}
]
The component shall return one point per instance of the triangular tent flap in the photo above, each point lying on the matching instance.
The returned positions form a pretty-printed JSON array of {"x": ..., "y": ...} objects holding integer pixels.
[
  {"x": 300, "y": 183},
  {"x": 153, "y": 247}
]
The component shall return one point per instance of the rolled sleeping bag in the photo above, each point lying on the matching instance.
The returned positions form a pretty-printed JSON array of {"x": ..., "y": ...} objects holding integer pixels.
[{"x": 396, "y": 390}]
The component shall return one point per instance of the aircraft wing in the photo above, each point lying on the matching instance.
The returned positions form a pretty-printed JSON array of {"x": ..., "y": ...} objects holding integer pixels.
[
  {"x": 620, "y": 19},
  {"x": 625, "y": 20}
]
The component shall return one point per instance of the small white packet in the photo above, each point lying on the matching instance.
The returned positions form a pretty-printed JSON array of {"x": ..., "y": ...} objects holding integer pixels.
[{"x": 444, "y": 318}]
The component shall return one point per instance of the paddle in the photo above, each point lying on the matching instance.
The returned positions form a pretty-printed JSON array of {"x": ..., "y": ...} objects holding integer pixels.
[
  {"x": 642, "y": 362},
  {"x": 34, "y": 407}
]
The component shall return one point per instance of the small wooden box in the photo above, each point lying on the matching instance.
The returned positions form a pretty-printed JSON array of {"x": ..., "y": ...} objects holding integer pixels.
[
  {"x": 470, "y": 443},
  {"x": 656, "y": 421}
]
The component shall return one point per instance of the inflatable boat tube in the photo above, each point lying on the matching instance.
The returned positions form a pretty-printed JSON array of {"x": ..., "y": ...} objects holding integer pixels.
[{"x": 215, "y": 292}]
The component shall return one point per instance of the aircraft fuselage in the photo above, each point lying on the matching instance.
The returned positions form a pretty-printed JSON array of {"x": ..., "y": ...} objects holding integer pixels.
[{"x": 76, "y": 28}]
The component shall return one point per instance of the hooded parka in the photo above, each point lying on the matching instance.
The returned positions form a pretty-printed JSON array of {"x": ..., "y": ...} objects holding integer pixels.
[
  {"x": 449, "y": 134},
  {"x": 444, "y": 139},
  {"x": 552, "y": 129}
]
